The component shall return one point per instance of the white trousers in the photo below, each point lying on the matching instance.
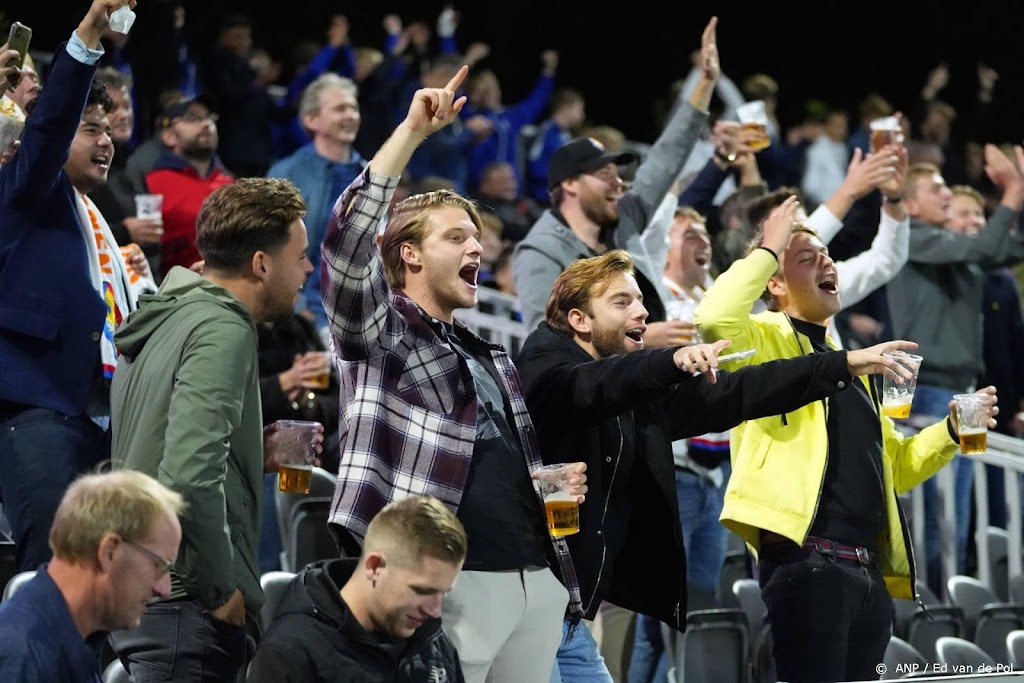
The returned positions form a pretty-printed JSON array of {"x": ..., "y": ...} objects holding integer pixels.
[{"x": 506, "y": 625}]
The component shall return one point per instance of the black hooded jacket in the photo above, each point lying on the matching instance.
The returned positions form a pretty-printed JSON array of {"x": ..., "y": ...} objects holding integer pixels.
[{"x": 315, "y": 638}]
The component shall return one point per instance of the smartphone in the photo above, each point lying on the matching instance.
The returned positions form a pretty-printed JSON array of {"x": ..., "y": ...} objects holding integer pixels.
[
  {"x": 739, "y": 355},
  {"x": 18, "y": 39}
]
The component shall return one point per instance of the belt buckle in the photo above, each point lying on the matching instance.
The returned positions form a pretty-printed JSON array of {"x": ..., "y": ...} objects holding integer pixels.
[{"x": 863, "y": 556}]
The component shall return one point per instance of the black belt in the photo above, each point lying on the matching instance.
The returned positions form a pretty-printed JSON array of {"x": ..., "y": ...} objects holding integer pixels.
[{"x": 840, "y": 551}]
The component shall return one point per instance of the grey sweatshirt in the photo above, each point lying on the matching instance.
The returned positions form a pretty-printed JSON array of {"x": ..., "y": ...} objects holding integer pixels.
[
  {"x": 551, "y": 245},
  {"x": 936, "y": 300}
]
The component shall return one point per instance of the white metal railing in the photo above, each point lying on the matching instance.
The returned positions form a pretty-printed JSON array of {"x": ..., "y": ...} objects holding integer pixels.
[{"x": 498, "y": 324}]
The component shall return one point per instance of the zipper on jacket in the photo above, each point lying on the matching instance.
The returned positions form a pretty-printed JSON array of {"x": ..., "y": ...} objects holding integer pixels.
[
  {"x": 604, "y": 513},
  {"x": 824, "y": 403},
  {"x": 904, "y": 529}
]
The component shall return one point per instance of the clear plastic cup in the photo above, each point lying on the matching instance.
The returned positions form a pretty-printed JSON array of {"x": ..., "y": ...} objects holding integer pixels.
[
  {"x": 896, "y": 397},
  {"x": 560, "y": 507}
]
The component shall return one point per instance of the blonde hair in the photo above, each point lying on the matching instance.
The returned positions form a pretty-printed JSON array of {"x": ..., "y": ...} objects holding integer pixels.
[
  {"x": 408, "y": 530},
  {"x": 968, "y": 191},
  {"x": 125, "y": 502},
  {"x": 915, "y": 173},
  {"x": 583, "y": 280},
  {"x": 410, "y": 220}
]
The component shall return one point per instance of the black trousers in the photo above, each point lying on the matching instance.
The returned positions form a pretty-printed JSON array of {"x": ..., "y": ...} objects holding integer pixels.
[
  {"x": 177, "y": 641},
  {"x": 830, "y": 618}
]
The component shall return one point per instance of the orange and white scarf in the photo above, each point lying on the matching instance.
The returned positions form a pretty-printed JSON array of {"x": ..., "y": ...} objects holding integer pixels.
[{"x": 114, "y": 279}]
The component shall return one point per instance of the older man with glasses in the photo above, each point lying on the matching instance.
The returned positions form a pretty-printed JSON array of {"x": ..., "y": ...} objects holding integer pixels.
[{"x": 114, "y": 539}]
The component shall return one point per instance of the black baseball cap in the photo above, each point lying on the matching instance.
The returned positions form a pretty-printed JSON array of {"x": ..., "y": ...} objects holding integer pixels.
[
  {"x": 179, "y": 108},
  {"x": 583, "y": 155}
]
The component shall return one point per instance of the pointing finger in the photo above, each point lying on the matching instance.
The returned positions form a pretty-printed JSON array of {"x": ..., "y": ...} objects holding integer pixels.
[{"x": 457, "y": 79}]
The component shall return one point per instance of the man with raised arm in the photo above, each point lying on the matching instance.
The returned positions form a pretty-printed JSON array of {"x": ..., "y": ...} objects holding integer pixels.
[
  {"x": 813, "y": 491},
  {"x": 429, "y": 408}
]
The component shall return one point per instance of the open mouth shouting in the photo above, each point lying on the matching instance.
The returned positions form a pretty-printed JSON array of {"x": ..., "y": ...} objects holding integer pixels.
[
  {"x": 101, "y": 160},
  {"x": 635, "y": 335},
  {"x": 468, "y": 274},
  {"x": 829, "y": 285}
]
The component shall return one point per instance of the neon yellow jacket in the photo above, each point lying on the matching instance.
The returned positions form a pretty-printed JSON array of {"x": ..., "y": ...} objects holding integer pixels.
[{"x": 779, "y": 462}]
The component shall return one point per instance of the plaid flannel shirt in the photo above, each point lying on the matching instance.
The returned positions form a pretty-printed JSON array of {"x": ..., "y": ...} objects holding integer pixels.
[{"x": 408, "y": 410}]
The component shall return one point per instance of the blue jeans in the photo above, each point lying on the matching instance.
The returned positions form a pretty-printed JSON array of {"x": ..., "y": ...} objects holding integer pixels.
[
  {"x": 41, "y": 452},
  {"x": 705, "y": 541},
  {"x": 934, "y": 402},
  {"x": 579, "y": 660},
  {"x": 270, "y": 534}
]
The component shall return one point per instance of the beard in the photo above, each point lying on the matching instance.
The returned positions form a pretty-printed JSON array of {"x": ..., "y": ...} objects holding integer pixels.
[
  {"x": 598, "y": 211},
  {"x": 608, "y": 342}
]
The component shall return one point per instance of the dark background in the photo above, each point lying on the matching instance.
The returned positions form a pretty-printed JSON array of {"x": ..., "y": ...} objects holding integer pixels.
[{"x": 624, "y": 56}]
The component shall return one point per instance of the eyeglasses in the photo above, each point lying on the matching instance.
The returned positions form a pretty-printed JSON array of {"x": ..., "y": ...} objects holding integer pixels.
[
  {"x": 191, "y": 117},
  {"x": 163, "y": 566}
]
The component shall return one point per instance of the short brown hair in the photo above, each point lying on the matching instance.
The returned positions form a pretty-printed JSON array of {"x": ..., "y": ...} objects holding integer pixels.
[
  {"x": 583, "y": 280},
  {"x": 250, "y": 215},
  {"x": 968, "y": 191},
  {"x": 408, "y": 530},
  {"x": 915, "y": 173},
  {"x": 125, "y": 502},
  {"x": 759, "y": 209},
  {"x": 409, "y": 222}
]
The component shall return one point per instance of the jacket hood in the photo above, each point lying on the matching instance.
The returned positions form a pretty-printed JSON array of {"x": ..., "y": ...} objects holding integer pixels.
[
  {"x": 317, "y": 593},
  {"x": 180, "y": 288}
]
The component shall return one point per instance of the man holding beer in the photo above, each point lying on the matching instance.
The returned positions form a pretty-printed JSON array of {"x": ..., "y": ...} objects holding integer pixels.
[
  {"x": 813, "y": 491},
  {"x": 186, "y": 409},
  {"x": 595, "y": 393},
  {"x": 429, "y": 408}
]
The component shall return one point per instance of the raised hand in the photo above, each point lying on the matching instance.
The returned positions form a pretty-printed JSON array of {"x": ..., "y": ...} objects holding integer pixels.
[
  {"x": 10, "y": 74},
  {"x": 434, "y": 108},
  {"x": 778, "y": 227},
  {"x": 709, "y": 51},
  {"x": 894, "y": 184},
  {"x": 98, "y": 18},
  {"x": 866, "y": 172}
]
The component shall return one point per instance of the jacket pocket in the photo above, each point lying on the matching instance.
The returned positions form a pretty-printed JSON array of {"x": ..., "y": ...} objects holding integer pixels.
[{"x": 31, "y": 314}]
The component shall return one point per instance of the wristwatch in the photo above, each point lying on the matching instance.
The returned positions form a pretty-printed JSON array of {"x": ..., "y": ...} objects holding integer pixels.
[
  {"x": 893, "y": 200},
  {"x": 725, "y": 158}
]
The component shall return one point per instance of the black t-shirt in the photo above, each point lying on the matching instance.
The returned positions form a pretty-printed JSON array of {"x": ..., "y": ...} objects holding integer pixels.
[
  {"x": 852, "y": 505},
  {"x": 500, "y": 511}
]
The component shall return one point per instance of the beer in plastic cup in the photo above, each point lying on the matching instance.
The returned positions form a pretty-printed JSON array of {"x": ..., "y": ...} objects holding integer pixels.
[
  {"x": 972, "y": 418},
  {"x": 149, "y": 206},
  {"x": 297, "y": 441},
  {"x": 885, "y": 131},
  {"x": 683, "y": 309},
  {"x": 560, "y": 508},
  {"x": 897, "y": 398},
  {"x": 754, "y": 123},
  {"x": 322, "y": 379}
]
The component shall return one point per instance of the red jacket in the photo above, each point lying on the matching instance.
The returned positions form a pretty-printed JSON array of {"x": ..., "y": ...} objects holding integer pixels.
[{"x": 184, "y": 191}]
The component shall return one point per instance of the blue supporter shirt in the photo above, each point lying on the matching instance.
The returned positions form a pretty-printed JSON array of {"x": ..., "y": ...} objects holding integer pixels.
[{"x": 38, "y": 637}]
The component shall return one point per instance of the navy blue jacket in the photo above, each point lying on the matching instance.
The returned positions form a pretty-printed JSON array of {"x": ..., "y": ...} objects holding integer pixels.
[
  {"x": 51, "y": 317},
  {"x": 38, "y": 637},
  {"x": 1003, "y": 344}
]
